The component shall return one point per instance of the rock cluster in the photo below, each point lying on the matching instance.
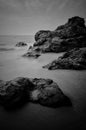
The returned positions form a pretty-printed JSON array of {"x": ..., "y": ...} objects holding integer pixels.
[
  {"x": 73, "y": 59},
  {"x": 21, "y": 44},
  {"x": 65, "y": 37},
  {"x": 21, "y": 90}
]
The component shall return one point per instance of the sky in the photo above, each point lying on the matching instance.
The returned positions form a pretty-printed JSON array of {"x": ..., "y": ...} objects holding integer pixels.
[{"x": 26, "y": 17}]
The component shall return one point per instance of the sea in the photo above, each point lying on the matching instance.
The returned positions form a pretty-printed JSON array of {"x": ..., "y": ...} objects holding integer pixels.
[{"x": 34, "y": 116}]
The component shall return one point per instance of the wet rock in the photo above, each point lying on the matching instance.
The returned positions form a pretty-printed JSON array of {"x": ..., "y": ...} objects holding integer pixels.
[
  {"x": 73, "y": 28},
  {"x": 21, "y": 44},
  {"x": 22, "y": 90},
  {"x": 15, "y": 91},
  {"x": 42, "y": 34},
  {"x": 32, "y": 54},
  {"x": 64, "y": 38},
  {"x": 73, "y": 59},
  {"x": 48, "y": 93}
]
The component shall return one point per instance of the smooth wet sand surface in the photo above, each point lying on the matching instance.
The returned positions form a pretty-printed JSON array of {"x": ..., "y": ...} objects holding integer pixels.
[{"x": 34, "y": 116}]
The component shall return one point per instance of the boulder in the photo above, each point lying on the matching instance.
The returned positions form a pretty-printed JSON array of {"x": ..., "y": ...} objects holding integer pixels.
[
  {"x": 63, "y": 38},
  {"x": 48, "y": 93},
  {"x": 73, "y": 59},
  {"x": 22, "y": 90},
  {"x": 21, "y": 44},
  {"x": 15, "y": 91}
]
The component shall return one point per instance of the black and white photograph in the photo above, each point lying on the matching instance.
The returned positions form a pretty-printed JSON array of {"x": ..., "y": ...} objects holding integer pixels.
[{"x": 42, "y": 64}]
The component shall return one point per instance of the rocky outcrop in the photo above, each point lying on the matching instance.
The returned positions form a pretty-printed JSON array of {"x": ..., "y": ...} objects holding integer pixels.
[
  {"x": 21, "y": 44},
  {"x": 43, "y": 91},
  {"x": 65, "y": 37},
  {"x": 73, "y": 59}
]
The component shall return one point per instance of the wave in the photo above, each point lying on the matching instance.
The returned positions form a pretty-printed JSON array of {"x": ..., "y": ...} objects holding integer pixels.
[{"x": 7, "y": 49}]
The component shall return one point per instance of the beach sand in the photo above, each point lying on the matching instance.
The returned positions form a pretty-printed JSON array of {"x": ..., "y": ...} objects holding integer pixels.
[{"x": 34, "y": 116}]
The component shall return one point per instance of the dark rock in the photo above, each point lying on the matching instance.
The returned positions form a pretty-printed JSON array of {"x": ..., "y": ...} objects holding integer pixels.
[
  {"x": 43, "y": 91},
  {"x": 48, "y": 93},
  {"x": 42, "y": 34},
  {"x": 32, "y": 54},
  {"x": 65, "y": 37},
  {"x": 15, "y": 91},
  {"x": 30, "y": 47},
  {"x": 73, "y": 59},
  {"x": 21, "y": 44},
  {"x": 73, "y": 28}
]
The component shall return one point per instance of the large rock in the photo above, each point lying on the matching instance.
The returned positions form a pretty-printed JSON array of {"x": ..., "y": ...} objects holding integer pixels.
[
  {"x": 14, "y": 91},
  {"x": 48, "y": 93},
  {"x": 21, "y": 44},
  {"x": 64, "y": 38},
  {"x": 73, "y": 28},
  {"x": 42, "y": 34},
  {"x": 43, "y": 91},
  {"x": 73, "y": 59}
]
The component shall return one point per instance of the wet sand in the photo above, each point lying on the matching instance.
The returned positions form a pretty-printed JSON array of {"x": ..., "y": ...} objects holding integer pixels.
[{"x": 35, "y": 116}]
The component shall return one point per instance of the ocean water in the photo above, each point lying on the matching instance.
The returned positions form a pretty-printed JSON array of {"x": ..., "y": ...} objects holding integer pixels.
[{"x": 34, "y": 116}]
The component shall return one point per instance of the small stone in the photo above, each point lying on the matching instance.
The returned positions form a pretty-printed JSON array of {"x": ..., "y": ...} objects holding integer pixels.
[{"x": 21, "y": 44}]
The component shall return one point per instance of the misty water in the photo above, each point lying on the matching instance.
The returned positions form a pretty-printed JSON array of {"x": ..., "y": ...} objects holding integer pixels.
[{"x": 34, "y": 116}]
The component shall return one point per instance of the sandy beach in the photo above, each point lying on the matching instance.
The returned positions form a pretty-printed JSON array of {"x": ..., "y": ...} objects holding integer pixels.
[
  {"x": 42, "y": 64},
  {"x": 72, "y": 83}
]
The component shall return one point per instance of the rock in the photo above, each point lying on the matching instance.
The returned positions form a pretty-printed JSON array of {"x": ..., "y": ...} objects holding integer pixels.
[
  {"x": 73, "y": 28},
  {"x": 64, "y": 38},
  {"x": 32, "y": 54},
  {"x": 21, "y": 44},
  {"x": 30, "y": 47},
  {"x": 15, "y": 91},
  {"x": 73, "y": 59},
  {"x": 48, "y": 93},
  {"x": 22, "y": 90},
  {"x": 42, "y": 34}
]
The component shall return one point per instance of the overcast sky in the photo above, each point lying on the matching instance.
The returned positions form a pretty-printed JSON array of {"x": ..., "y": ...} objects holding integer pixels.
[{"x": 29, "y": 16}]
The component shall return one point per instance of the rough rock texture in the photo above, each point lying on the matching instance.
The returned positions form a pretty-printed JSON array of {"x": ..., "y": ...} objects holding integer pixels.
[
  {"x": 21, "y": 44},
  {"x": 14, "y": 91},
  {"x": 64, "y": 38},
  {"x": 48, "y": 93},
  {"x": 43, "y": 91},
  {"x": 73, "y": 59},
  {"x": 32, "y": 54}
]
